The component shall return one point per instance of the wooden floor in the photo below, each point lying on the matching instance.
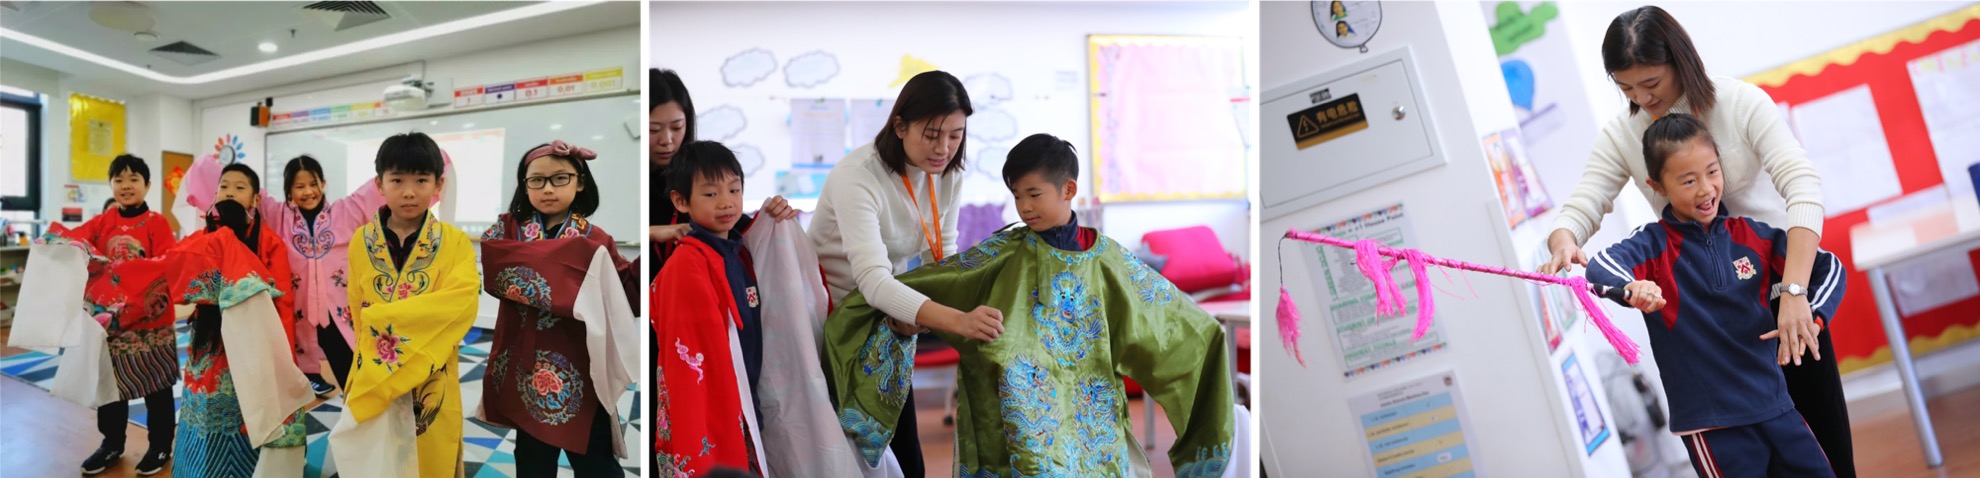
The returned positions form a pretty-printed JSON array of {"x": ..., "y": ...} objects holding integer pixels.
[
  {"x": 47, "y": 436},
  {"x": 1887, "y": 444},
  {"x": 41, "y": 435}
]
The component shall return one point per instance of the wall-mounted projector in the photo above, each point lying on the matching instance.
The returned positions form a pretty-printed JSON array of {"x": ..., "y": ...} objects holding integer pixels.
[{"x": 408, "y": 95}]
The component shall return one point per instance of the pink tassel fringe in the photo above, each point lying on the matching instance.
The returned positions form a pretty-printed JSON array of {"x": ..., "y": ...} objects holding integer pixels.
[
  {"x": 1372, "y": 259},
  {"x": 1426, "y": 304},
  {"x": 1289, "y": 324},
  {"x": 1624, "y": 346}
]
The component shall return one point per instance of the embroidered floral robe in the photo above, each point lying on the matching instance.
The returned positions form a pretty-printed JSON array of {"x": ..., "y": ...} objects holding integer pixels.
[
  {"x": 144, "y": 352},
  {"x": 244, "y": 387},
  {"x": 1045, "y": 398},
  {"x": 705, "y": 419},
  {"x": 540, "y": 375},
  {"x": 317, "y": 253},
  {"x": 409, "y": 322}
]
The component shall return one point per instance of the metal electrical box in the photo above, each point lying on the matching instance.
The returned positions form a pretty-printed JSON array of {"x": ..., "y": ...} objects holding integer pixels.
[{"x": 1343, "y": 131}]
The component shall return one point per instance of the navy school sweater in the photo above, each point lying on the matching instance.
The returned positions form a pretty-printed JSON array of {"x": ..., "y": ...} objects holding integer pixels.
[
  {"x": 739, "y": 267},
  {"x": 1715, "y": 280}
]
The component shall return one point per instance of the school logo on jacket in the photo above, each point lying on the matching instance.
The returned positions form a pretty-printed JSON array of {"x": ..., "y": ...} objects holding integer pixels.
[
  {"x": 1744, "y": 267},
  {"x": 752, "y": 296}
]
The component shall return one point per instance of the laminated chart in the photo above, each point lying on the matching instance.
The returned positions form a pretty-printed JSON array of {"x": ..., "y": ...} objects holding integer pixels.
[{"x": 1416, "y": 429}]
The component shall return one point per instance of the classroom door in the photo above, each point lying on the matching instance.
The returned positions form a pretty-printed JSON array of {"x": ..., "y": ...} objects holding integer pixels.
[{"x": 175, "y": 171}]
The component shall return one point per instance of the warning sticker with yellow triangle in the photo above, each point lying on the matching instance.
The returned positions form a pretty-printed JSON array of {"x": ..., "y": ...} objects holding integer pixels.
[{"x": 1326, "y": 121}]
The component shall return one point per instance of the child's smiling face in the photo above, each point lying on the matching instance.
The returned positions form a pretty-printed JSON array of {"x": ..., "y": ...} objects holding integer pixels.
[
  {"x": 1691, "y": 181},
  {"x": 307, "y": 192},
  {"x": 128, "y": 188},
  {"x": 1041, "y": 203},
  {"x": 715, "y": 203}
]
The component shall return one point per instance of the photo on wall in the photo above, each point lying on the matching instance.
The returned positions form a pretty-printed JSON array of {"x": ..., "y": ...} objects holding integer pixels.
[
  {"x": 319, "y": 239},
  {"x": 878, "y": 207}
]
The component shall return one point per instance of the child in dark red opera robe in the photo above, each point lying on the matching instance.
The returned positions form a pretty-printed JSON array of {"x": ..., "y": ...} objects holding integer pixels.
[{"x": 543, "y": 378}]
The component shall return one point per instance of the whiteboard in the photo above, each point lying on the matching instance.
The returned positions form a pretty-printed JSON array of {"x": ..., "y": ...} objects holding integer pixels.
[{"x": 486, "y": 146}]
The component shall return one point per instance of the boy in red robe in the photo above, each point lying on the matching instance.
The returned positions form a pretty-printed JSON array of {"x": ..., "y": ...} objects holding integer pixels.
[
  {"x": 143, "y": 350},
  {"x": 706, "y": 314}
]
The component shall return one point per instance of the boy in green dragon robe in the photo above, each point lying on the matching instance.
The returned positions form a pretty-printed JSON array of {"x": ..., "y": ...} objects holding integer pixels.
[{"x": 1080, "y": 312}]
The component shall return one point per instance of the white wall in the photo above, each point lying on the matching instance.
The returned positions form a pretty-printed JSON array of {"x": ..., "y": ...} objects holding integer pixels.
[
  {"x": 29, "y": 77},
  {"x": 229, "y": 114},
  {"x": 1518, "y": 424},
  {"x": 1034, "y": 44}
]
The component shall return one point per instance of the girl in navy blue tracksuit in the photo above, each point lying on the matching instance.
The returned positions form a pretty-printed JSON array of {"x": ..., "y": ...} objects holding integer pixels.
[{"x": 1706, "y": 283}]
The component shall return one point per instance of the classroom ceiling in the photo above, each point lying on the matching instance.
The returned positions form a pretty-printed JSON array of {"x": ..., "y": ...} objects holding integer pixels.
[{"x": 189, "y": 39}]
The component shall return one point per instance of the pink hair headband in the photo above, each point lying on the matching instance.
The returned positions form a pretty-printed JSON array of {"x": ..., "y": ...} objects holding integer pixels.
[
  {"x": 559, "y": 148},
  {"x": 1369, "y": 259}
]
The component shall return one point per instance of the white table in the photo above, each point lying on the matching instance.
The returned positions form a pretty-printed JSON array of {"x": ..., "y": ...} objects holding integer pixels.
[
  {"x": 1232, "y": 314},
  {"x": 1948, "y": 223}
]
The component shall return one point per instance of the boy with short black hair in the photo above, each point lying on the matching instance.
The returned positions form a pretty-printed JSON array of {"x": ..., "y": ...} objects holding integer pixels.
[
  {"x": 705, "y": 299},
  {"x": 415, "y": 291},
  {"x": 1046, "y": 398},
  {"x": 1704, "y": 282},
  {"x": 143, "y": 349}
]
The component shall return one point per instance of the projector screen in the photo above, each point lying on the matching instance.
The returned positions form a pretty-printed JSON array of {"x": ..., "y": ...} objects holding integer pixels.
[{"x": 478, "y": 182}]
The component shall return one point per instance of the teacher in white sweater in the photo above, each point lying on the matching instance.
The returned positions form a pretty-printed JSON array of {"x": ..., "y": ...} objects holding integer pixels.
[
  {"x": 1652, "y": 61},
  {"x": 890, "y": 206}
]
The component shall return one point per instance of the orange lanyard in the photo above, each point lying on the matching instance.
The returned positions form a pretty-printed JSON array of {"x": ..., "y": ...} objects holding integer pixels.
[{"x": 934, "y": 239}]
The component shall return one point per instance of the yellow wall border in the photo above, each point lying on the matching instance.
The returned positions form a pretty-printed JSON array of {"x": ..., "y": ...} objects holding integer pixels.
[{"x": 1919, "y": 346}]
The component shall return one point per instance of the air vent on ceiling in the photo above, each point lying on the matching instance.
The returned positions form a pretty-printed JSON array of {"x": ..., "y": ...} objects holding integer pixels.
[
  {"x": 340, "y": 16},
  {"x": 185, "y": 53}
]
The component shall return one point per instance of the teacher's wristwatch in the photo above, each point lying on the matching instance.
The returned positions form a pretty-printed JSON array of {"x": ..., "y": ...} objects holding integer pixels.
[{"x": 1788, "y": 288}]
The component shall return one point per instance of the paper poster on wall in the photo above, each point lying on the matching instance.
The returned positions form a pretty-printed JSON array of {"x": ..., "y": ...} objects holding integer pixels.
[
  {"x": 1162, "y": 124},
  {"x": 96, "y": 136},
  {"x": 867, "y": 117},
  {"x": 1532, "y": 62},
  {"x": 802, "y": 181},
  {"x": 1559, "y": 310},
  {"x": 1366, "y": 342},
  {"x": 1948, "y": 86},
  {"x": 1416, "y": 428},
  {"x": 1520, "y": 193},
  {"x": 1550, "y": 330},
  {"x": 1845, "y": 139},
  {"x": 818, "y": 130},
  {"x": 72, "y": 196},
  {"x": 1587, "y": 412}
]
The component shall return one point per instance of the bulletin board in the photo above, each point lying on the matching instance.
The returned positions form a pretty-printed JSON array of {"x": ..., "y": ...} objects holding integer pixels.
[
  {"x": 1165, "y": 109},
  {"x": 96, "y": 136},
  {"x": 1884, "y": 69}
]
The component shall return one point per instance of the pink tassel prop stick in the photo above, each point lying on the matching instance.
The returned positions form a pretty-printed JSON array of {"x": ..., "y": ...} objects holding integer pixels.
[{"x": 1370, "y": 260}]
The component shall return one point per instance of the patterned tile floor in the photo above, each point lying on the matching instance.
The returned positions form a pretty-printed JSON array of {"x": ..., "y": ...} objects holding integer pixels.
[{"x": 489, "y": 451}]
